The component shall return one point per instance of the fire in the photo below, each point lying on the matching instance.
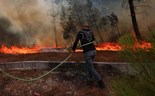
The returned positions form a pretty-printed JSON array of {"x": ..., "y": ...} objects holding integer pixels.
[
  {"x": 27, "y": 50},
  {"x": 109, "y": 47},
  {"x": 18, "y": 50},
  {"x": 116, "y": 47},
  {"x": 143, "y": 45},
  {"x": 100, "y": 47}
]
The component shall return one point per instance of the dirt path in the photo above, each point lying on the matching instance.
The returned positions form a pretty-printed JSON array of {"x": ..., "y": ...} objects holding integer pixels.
[
  {"x": 102, "y": 56},
  {"x": 64, "y": 83},
  {"x": 69, "y": 83}
]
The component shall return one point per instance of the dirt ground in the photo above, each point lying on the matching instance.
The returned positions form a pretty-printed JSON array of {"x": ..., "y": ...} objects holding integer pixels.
[
  {"x": 68, "y": 83},
  {"x": 102, "y": 56},
  {"x": 61, "y": 83}
]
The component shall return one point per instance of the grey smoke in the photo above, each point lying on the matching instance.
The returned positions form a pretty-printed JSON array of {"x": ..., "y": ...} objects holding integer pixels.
[
  {"x": 6, "y": 37},
  {"x": 25, "y": 23},
  {"x": 28, "y": 22}
]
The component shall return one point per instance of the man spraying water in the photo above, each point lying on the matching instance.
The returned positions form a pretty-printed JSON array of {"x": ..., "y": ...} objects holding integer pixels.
[{"x": 86, "y": 36}]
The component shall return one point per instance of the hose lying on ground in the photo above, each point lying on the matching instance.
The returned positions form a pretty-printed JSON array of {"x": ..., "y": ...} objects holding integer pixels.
[{"x": 37, "y": 78}]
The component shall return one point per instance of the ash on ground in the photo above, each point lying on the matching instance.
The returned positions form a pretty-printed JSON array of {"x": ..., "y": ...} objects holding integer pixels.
[
  {"x": 59, "y": 50},
  {"x": 66, "y": 83}
]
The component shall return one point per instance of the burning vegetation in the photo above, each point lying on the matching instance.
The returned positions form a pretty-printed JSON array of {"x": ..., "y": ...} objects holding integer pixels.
[
  {"x": 22, "y": 28},
  {"x": 18, "y": 50},
  {"x": 26, "y": 28},
  {"x": 100, "y": 47}
]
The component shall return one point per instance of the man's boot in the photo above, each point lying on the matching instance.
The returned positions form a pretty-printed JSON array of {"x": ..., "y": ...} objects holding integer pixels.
[
  {"x": 90, "y": 83},
  {"x": 101, "y": 84}
]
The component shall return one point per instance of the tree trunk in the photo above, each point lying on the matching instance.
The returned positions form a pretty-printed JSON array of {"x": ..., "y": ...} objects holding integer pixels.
[
  {"x": 134, "y": 20},
  {"x": 54, "y": 26},
  {"x": 78, "y": 13},
  {"x": 99, "y": 32},
  {"x": 119, "y": 33},
  {"x": 70, "y": 41}
]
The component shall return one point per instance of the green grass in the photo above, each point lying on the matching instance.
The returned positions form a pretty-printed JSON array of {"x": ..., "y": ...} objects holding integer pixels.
[{"x": 142, "y": 83}]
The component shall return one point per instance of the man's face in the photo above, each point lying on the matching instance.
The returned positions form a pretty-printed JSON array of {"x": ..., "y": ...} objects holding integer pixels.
[{"x": 85, "y": 27}]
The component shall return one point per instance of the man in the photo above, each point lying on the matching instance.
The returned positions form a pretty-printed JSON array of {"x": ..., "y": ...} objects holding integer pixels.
[{"x": 86, "y": 38}]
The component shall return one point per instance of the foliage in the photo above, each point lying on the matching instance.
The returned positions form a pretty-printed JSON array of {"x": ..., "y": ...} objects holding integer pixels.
[
  {"x": 68, "y": 25},
  {"x": 142, "y": 83},
  {"x": 126, "y": 40},
  {"x": 79, "y": 12},
  {"x": 82, "y": 12},
  {"x": 152, "y": 38}
]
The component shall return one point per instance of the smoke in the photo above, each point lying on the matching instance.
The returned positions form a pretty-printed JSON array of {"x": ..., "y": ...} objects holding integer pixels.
[
  {"x": 7, "y": 37},
  {"x": 29, "y": 22},
  {"x": 25, "y": 23},
  {"x": 144, "y": 12},
  {"x": 147, "y": 20}
]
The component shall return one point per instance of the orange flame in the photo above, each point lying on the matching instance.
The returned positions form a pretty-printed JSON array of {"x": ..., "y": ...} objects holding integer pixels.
[
  {"x": 143, "y": 45},
  {"x": 109, "y": 47},
  {"x": 116, "y": 47},
  {"x": 100, "y": 47},
  {"x": 18, "y": 50}
]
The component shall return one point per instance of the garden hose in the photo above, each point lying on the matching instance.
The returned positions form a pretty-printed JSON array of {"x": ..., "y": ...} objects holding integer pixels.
[{"x": 37, "y": 78}]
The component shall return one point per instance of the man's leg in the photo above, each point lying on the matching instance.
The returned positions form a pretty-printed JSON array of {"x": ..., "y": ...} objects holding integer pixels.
[{"x": 91, "y": 70}]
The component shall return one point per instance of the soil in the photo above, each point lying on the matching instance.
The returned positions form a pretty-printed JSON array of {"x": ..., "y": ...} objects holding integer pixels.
[
  {"x": 69, "y": 83},
  {"x": 60, "y": 83},
  {"x": 102, "y": 56}
]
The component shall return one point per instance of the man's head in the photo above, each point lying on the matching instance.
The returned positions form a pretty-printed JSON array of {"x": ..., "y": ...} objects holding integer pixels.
[{"x": 85, "y": 26}]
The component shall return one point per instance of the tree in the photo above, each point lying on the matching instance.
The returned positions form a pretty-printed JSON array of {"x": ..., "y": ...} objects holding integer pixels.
[
  {"x": 93, "y": 16},
  {"x": 54, "y": 24},
  {"x": 114, "y": 22},
  {"x": 144, "y": 4},
  {"x": 110, "y": 24},
  {"x": 81, "y": 12},
  {"x": 134, "y": 20},
  {"x": 68, "y": 25},
  {"x": 69, "y": 29}
]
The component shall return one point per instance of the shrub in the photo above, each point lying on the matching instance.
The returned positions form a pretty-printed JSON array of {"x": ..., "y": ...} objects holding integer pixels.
[{"x": 142, "y": 83}]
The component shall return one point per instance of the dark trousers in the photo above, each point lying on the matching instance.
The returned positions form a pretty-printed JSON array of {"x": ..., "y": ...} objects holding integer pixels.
[{"x": 89, "y": 56}]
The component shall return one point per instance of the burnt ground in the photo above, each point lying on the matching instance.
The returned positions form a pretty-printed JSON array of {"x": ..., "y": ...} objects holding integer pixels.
[
  {"x": 59, "y": 83},
  {"x": 102, "y": 56},
  {"x": 66, "y": 83}
]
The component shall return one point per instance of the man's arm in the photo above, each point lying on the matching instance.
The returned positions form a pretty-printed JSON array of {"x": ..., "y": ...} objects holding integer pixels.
[
  {"x": 93, "y": 38},
  {"x": 76, "y": 41}
]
